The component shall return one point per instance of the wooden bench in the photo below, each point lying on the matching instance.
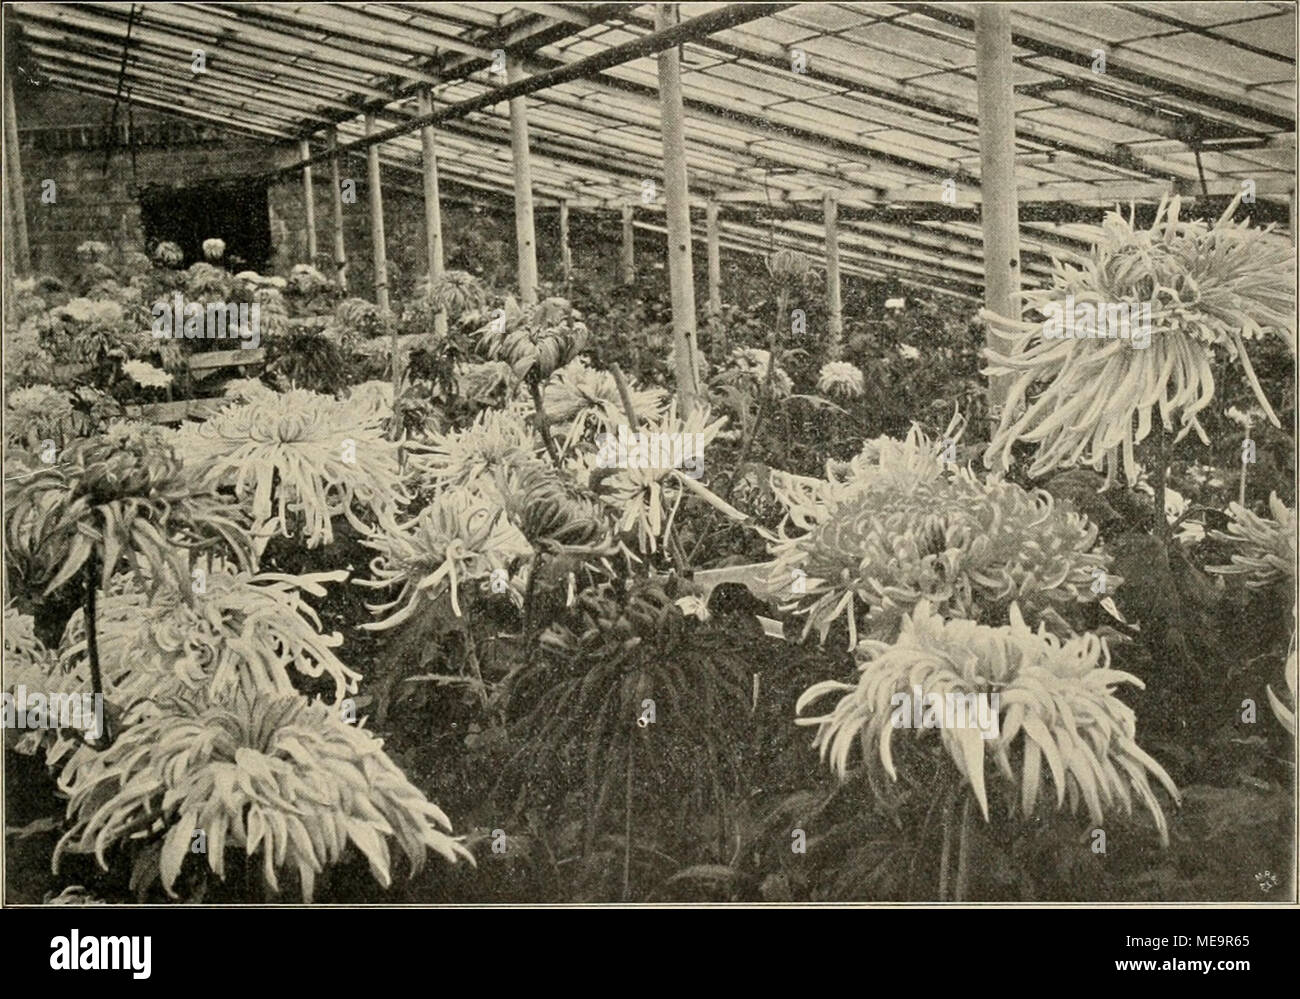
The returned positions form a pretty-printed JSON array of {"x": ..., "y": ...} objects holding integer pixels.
[
  {"x": 200, "y": 366},
  {"x": 175, "y": 412},
  {"x": 203, "y": 365}
]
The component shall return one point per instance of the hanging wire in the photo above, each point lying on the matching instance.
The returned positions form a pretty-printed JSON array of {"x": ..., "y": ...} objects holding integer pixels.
[
  {"x": 130, "y": 138},
  {"x": 1196, "y": 150},
  {"x": 117, "y": 97}
]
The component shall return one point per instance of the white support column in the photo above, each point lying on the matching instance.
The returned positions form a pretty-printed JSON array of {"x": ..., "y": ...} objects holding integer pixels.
[
  {"x": 432, "y": 203},
  {"x": 309, "y": 202},
  {"x": 336, "y": 199},
  {"x": 9, "y": 265},
  {"x": 715, "y": 257},
  {"x": 628, "y": 268},
  {"x": 681, "y": 277},
  {"x": 834, "y": 307},
  {"x": 22, "y": 259},
  {"x": 525, "y": 233},
  {"x": 377, "y": 218},
  {"x": 566, "y": 252},
  {"x": 999, "y": 209}
]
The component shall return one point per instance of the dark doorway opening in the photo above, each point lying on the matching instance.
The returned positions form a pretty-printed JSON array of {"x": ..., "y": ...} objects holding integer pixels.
[{"x": 235, "y": 212}]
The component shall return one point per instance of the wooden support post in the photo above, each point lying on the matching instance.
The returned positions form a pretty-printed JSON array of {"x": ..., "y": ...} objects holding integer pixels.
[
  {"x": 1000, "y": 210},
  {"x": 22, "y": 254},
  {"x": 340, "y": 251},
  {"x": 681, "y": 277},
  {"x": 377, "y": 220},
  {"x": 715, "y": 257},
  {"x": 432, "y": 204},
  {"x": 309, "y": 202},
  {"x": 525, "y": 234},
  {"x": 9, "y": 316},
  {"x": 566, "y": 252},
  {"x": 628, "y": 265},
  {"x": 1291, "y": 215},
  {"x": 834, "y": 307}
]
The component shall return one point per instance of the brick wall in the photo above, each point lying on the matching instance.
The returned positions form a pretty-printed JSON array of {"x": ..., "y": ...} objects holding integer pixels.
[
  {"x": 62, "y": 139},
  {"x": 63, "y": 135}
]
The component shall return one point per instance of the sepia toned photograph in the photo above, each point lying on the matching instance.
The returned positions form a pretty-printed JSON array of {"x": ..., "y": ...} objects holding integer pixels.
[{"x": 649, "y": 455}]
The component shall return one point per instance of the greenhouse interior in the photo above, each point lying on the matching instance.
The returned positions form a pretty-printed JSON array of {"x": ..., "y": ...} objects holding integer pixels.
[{"x": 748, "y": 453}]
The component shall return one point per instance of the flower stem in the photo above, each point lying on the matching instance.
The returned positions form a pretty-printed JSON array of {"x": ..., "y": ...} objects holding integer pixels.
[
  {"x": 1241, "y": 492},
  {"x": 961, "y": 889},
  {"x": 634, "y": 424},
  {"x": 528, "y": 604},
  {"x": 542, "y": 425},
  {"x": 92, "y": 642},
  {"x": 471, "y": 650},
  {"x": 1161, "y": 526},
  {"x": 92, "y": 646},
  {"x": 627, "y": 820},
  {"x": 396, "y": 430},
  {"x": 945, "y": 855},
  {"x": 782, "y": 303}
]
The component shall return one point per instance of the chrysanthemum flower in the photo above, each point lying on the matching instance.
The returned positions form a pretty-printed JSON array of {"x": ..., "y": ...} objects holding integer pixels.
[
  {"x": 38, "y": 413},
  {"x": 207, "y": 281},
  {"x": 145, "y": 374},
  {"x": 884, "y": 462},
  {"x": 229, "y": 630},
  {"x": 92, "y": 312},
  {"x": 1209, "y": 288},
  {"x": 214, "y": 249},
  {"x": 247, "y": 390},
  {"x": 790, "y": 265},
  {"x": 355, "y": 318},
  {"x": 136, "y": 263},
  {"x": 577, "y": 390},
  {"x": 299, "y": 455},
  {"x": 547, "y": 507},
  {"x": 896, "y": 526},
  {"x": 460, "y": 457},
  {"x": 537, "y": 339},
  {"x": 457, "y": 293},
  {"x": 124, "y": 497},
  {"x": 268, "y": 774},
  {"x": 1189, "y": 532},
  {"x": 642, "y": 498},
  {"x": 29, "y": 664},
  {"x": 374, "y": 397},
  {"x": 1055, "y": 702},
  {"x": 92, "y": 251},
  {"x": 26, "y": 360},
  {"x": 273, "y": 314},
  {"x": 168, "y": 254},
  {"x": 480, "y": 382},
  {"x": 751, "y": 363},
  {"x": 1264, "y": 548},
  {"x": 459, "y": 537},
  {"x": 841, "y": 378},
  {"x": 306, "y": 280}
]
